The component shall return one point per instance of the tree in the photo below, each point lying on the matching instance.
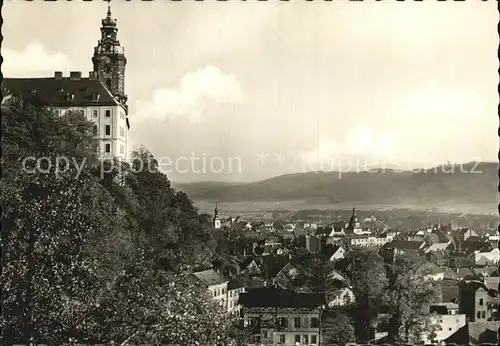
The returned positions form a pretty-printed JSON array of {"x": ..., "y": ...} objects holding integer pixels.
[
  {"x": 337, "y": 327},
  {"x": 150, "y": 306},
  {"x": 408, "y": 298},
  {"x": 51, "y": 214},
  {"x": 366, "y": 272}
]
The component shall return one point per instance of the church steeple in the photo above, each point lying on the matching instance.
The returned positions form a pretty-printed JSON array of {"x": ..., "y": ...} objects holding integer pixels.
[
  {"x": 216, "y": 219},
  {"x": 109, "y": 58}
]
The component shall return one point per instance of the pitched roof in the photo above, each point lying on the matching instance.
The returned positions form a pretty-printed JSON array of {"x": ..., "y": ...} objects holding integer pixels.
[
  {"x": 235, "y": 284},
  {"x": 404, "y": 244},
  {"x": 210, "y": 277},
  {"x": 272, "y": 297},
  {"x": 437, "y": 247},
  {"x": 53, "y": 92},
  {"x": 475, "y": 333}
]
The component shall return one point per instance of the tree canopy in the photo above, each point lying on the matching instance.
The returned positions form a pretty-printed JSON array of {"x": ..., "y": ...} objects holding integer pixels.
[{"x": 93, "y": 256}]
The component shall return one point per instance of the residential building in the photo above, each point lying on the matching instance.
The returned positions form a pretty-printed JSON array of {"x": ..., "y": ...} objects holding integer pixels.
[
  {"x": 338, "y": 253},
  {"x": 483, "y": 258},
  {"x": 473, "y": 300},
  {"x": 281, "y": 317},
  {"x": 100, "y": 97},
  {"x": 447, "y": 319},
  {"x": 215, "y": 284},
  {"x": 234, "y": 288},
  {"x": 475, "y": 333}
]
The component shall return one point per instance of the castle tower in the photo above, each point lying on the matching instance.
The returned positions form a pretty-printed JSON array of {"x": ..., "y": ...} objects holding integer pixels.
[{"x": 109, "y": 59}]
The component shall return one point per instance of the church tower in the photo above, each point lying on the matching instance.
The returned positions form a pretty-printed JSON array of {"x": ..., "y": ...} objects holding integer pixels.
[
  {"x": 216, "y": 219},
  {"x": 109, "y": 59}
]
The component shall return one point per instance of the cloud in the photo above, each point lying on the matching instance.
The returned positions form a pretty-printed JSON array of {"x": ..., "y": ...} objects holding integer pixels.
[
  {"x": 360, "y": 145},
  {"x": 33, "y": 61},
  {"x": 197, "y": 92}
]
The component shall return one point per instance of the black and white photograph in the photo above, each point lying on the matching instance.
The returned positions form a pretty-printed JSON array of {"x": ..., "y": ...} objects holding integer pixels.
[{"x": 250, "y": 173}]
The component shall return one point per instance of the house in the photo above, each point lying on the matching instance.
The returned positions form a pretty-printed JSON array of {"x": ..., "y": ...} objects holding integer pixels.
[
  {"x": 315, "y": 243},
  {"x": 339, "y": 294},
  {"x": 282, "y": 317},
  {"x": 486, "y": 258},
  {"x": 290, "y": 277},
  {"x": 475, "y": 333},
  {"x": 447, "y": 319},
  {"x": 473, "y": 300},
  {"x": 234, "y": 288},
  {"x": 100, "y": 97},
  {"x": 449, "y": 290},
  {"x": 465, "y": 233},
  {"x": 367, "y": 241},
  {"x": 215, "y": 284},
  {"x": 438, "y": 258},
  {"x": 338, "y": 253},
  {"x": 439, "y": 247},
  {"x": 401, "y": 247}
]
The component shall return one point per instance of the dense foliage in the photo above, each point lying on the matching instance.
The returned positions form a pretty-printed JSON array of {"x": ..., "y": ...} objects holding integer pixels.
[{"x": 96, "y": 256}]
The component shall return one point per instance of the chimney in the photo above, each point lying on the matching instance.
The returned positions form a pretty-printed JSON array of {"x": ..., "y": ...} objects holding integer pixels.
[
  {"x": 75, "y": 75},
  {"x": 58, "y": 75},
  {"x": 92, "y": 75}
]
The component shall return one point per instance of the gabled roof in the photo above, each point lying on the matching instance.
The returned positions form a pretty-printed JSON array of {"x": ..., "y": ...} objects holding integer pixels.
[
  {"x": 210, "y": 277},
  {"x": 404, "y": 245},
  {"x": 437, "y": 247},
  {"x": 235, "y": 284},
  {"x": 272, "y": 297},
  {"x": 475, "y": 333},
  {"x": 53, "y": 92}
]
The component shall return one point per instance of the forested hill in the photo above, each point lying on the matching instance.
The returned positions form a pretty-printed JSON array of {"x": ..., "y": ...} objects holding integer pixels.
[{"x": 468, "y": 183}]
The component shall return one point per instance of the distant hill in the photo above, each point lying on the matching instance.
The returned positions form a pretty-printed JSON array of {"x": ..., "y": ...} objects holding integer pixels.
[{"x": 471, "y": 183}]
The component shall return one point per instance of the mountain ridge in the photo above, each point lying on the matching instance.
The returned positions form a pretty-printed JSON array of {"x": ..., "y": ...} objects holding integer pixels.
[{"x": 470, "y": 183}]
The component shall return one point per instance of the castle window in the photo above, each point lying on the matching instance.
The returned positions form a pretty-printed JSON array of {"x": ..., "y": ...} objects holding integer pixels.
[
  {"x": 95, "y": 113},
  {"x": 314, "y": 341},
  {"x": 108, "y": 148},
  {"x": 305, "y": 339},
  {"x": 483, "y": 314},
  {"x": 95, "y": 130},
  {"x": 281, "y": 339},
  {"x": 108, "y": 130},
  {"x": 297, "y": 322},
  {"x": 314, "y": 322},
  {"x": 478, "y": 315},
  {"x": 297, "y": 338}
]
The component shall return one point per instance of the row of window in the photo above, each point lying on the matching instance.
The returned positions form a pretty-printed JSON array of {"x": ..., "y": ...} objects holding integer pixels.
[
  {"x": 107, "y": 148},
  {"x": 107, "y": 113},
  {"x": 481, "y": 314},
  {"x": 219, "y": 291},
  {"x": 297, "y": 322},
  {"x": 305, "y": 339},
  {"x": 107, "y": 130}
]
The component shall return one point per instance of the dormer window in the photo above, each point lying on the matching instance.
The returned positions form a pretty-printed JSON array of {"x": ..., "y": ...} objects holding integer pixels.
[
  {"x": 60, "y": 90},
  {"x": 95, "y": 97},
  {"x": 70, "y": 97},
  {"x": 33, "y": 91}
]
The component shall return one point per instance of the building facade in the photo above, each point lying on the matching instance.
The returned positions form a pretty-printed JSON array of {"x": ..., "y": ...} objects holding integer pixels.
[
  {"x": 281, "y": 317},
  {"x": 215, "y": 284},
  {"x": 100, "y": 97}
]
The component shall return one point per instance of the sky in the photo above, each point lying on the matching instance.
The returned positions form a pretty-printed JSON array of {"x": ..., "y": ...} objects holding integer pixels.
[{"x": 242, "y": 91}]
